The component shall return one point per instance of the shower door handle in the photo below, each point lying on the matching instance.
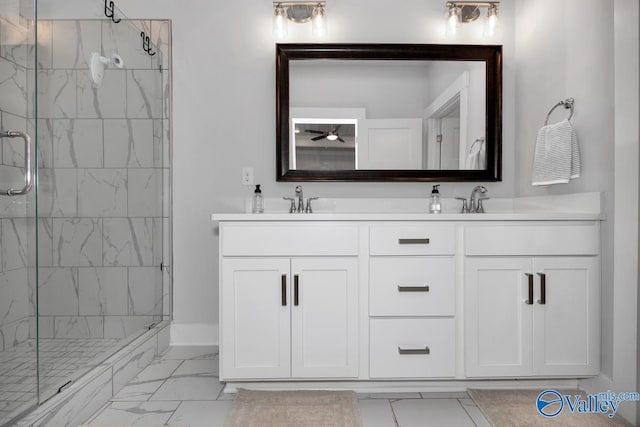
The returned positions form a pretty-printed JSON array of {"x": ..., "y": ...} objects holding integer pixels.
[{"x": 28, "y": 179}]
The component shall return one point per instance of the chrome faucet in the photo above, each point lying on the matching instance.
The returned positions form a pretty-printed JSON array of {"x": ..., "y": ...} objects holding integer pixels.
[
  {"x": 300, "y": 198},
  {"x": 475, "y": 204}
]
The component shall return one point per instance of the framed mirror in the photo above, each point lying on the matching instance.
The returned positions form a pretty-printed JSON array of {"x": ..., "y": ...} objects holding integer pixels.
[{"x": 388, "y": 112}]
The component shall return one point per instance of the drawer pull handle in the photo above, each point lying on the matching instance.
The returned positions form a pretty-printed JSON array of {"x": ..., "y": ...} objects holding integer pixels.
[
  {"x": 424, "y": 350},
  {"x": 424, "y": 288},
  {"x": 296, "y": 290},
  {"x": 413, "y": 241}
]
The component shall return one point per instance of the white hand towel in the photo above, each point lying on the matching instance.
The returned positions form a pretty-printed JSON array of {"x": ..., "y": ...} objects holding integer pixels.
[
  {"x": 476, "y": 158},
  {"x": 557, "y": 155}
]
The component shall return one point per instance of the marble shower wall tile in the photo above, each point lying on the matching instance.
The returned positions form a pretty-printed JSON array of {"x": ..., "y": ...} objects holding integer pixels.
[
  {"x": 103, "y": 291},
  {"x": 13, "y": 43},
  {"x": 44, "y": 141},
  {"x": 14, "y": 243},
  {"x": 45, "y": 243},
  {"x": 77, "y": 242},
  {"x": 45, "y": 327},
  {"x": 144, "y": 94},
  {"x": 158, "y": 148},
  {"x": 124, "y": 39},
  {"x": 74, "y": 41},
  {"x": 77, "y": 143},
  {"x": 45, "y": 45},
  {"x": 57, "y": 193},
  {"x": 109, "y": 101},
  {"x": 58, "y": 291},
  {"x": 128, "y": 143},
  {"x": 102, "y": 192},
  {"x": 145, "y": 291},
  {"x": 79, "y": 327},
  {"x": 124, "y": 326},
  {"x": 14, "y": 333},
  {"x": 128, "y": 241},
  {"x": 160, "y": 37},
  {"x": 145, "y": 192},
  {"x": 14, "y": 304},
  {"x": 13, "y": 87},
  {"x": 159, "y": 233},
  {"x": 166, "y": 94},
  {"x": 56, "y": 94}
]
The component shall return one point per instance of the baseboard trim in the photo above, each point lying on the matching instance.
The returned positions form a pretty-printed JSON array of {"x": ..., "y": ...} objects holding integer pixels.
[
  {"x": 404, "y": 386},
  {"x": 194, "y": 334}
]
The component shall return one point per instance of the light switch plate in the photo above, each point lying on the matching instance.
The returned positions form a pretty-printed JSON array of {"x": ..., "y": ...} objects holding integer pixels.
[{"x": 247, "y": 176}]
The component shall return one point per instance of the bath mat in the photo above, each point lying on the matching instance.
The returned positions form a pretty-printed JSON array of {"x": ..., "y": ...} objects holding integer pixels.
[
  {"x": 511, "y": 408},
  {"x": 294, "y": 409}
]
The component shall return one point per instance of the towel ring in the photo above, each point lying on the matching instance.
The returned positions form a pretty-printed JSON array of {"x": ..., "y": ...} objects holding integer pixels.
[{"x": 567, "y": 103}]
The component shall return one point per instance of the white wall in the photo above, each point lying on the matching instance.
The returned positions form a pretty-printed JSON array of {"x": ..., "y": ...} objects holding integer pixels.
[
  {"x": 224, "y": 95},
  {"x": 627, "y": 188},
  {"x": 386, "y": 89}
]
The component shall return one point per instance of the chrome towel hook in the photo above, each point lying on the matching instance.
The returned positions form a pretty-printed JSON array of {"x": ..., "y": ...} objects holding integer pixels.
[{"x": 567, "y": 103}]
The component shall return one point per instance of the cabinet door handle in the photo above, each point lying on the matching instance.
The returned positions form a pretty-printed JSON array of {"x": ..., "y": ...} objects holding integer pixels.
[
  {"x": 295, "y": 289},
  {"x": 423, "y": 288},
  {"x": 543, "y": 288},
  {"x": 529, "y": 300},
  {"x": 424, "y": 350},
  {"x": 413, "y": 241},
  {"x": 284, "y": 290}
]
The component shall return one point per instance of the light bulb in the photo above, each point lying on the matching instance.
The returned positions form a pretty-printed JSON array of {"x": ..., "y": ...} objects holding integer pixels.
[
  {"x": 279, "y": 22},
  {"x": 319, "y": 21},
  {"x": 332, "y": 137},
  {"x": 453, "y": 21},
  {"x": 491, "y": 21}
]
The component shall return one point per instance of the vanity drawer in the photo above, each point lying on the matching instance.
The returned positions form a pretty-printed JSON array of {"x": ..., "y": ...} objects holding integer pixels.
[
  {"x": 412, "y": 239},
  {"x": 268, "y": 239},
  {"x": 552, "y": 239},
  {"x": 412, "y": 348},
  {"x": 412, "y": 286}
]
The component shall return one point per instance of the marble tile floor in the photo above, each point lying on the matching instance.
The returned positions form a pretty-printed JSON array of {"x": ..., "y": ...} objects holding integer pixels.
[
  {"x": 182, "y": 388},
  {"x": 60, "y": 360}
]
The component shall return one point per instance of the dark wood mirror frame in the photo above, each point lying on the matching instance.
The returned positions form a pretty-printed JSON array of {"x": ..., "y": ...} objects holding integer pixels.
[{"x": 490, "y": 54}]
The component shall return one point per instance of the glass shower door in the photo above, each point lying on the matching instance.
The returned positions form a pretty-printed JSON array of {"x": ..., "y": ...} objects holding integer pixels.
[{"x": 18, "y": 148}]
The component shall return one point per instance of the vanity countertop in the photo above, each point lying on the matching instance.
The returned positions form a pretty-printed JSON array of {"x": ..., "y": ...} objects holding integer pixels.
[
  {"x": 568, "y": 207},
  {"x": 392, "y": 216}
]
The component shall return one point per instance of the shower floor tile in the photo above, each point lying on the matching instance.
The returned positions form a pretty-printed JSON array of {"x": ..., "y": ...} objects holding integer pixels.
[{"x": 60, "y": 361}]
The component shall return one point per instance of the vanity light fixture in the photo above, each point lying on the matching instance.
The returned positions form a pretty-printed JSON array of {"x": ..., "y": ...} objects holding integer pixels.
[
  {"x": 469, "y": 11},
  {"x": 299, "y": 12}
]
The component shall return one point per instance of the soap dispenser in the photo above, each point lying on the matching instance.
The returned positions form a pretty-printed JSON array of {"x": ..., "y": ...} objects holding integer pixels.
[
  {"x": 435, "y": 204},
  {"x": 258, "y": 201}
]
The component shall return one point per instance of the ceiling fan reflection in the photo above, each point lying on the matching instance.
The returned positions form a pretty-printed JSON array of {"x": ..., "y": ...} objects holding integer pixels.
[{"x": 331, "y": 135}]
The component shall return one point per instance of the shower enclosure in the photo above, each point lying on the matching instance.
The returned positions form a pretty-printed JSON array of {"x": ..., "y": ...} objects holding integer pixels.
[{"x": 84, "y": 195}]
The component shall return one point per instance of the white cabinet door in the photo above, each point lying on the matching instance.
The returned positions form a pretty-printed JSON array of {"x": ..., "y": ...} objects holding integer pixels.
[
  {"x": 566, "y": 322},
  {"x": 498, "y": 320},
  {"x": 390, "y": 144},
  {"x": 324, "y": 324},
  {"x": 255, "y": 328}
]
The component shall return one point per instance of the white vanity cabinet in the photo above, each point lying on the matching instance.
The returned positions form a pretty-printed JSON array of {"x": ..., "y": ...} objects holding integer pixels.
[
  {"x": 532, "y": 300},
  {"x": 333, "y": 299},
  {"x": 289, "y": 317}
]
